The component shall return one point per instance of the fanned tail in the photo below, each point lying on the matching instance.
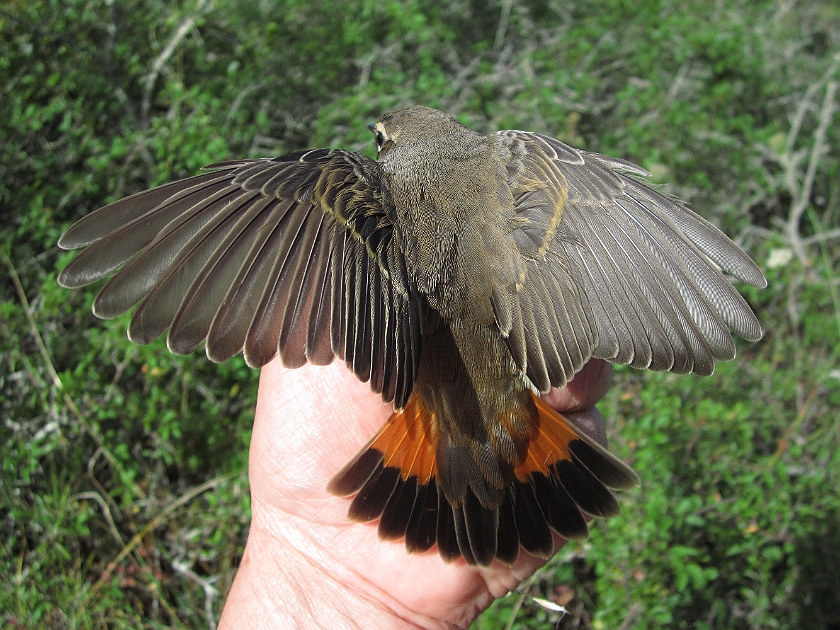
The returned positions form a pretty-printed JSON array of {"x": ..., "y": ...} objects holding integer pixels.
[{"x": 563, "y": 475}]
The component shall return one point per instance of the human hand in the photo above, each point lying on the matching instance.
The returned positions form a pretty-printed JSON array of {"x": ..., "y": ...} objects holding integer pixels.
[{"x": 305, "y": 564}]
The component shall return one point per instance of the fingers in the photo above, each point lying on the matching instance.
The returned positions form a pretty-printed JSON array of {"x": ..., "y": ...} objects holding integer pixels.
[
  {"x": 335, "y": 386},
  {"x": 591, "y": 422},
  {"x": 577, "y": 400},
  {"x": 585, "y": 390}
]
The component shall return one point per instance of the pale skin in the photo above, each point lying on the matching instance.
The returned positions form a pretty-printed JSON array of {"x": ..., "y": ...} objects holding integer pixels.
[{"x": 305, "y": 565}]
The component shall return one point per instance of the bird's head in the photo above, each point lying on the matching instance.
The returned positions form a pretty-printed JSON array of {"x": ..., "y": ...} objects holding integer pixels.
[{"x": 413, "y": 125}]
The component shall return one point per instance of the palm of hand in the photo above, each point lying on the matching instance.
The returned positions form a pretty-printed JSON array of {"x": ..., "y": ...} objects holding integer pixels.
[{"x": 309, "y": 423}]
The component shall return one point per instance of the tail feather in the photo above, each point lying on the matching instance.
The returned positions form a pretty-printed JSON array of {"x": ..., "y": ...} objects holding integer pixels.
[
  {"x": 558, "y": 436},
  {"x": 462, "y": 538},
  {"x": 559, "y": 507},
  {"x": 375, "y": 494},
  {"x": 397, "y": 513},
  {"x": 396, "y": 478},
  {"x": 421, "y": 532},
  {"x": 446, "y": 532},
  {"x": 590, "y": 495},
  {"x": 534, "y": 533},
  {"x": 507, "y": 538},
  {"x": 482, "y": 526},
  {"x": 609, "y": 471}
]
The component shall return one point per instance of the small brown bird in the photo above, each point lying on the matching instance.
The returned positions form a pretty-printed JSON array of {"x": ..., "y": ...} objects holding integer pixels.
[{"x": 460, "y": 274}]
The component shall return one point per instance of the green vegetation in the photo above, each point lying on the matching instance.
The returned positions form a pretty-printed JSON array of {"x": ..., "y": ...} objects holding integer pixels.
[{"x": 124, "y": 497}]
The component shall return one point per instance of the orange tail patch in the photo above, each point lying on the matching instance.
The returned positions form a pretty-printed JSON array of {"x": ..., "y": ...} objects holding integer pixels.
[
  {"x": 407, "y": 442},
  {"x": 560, "y": 440},
  {"x": 563, "y": 473},
  {"x": 393, "y": 478}
]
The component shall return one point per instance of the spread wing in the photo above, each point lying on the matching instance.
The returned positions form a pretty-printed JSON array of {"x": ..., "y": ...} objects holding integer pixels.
[
  {"x": 294, "y": 255},
  {"x": 615, "y": 270}
]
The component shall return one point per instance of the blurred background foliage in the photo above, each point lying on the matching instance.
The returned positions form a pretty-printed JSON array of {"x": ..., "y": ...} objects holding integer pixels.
[{"x": 124, "y": 490}]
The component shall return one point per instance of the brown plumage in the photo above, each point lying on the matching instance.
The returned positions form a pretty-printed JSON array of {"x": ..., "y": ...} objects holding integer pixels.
[{"x": 461, "y": 275}]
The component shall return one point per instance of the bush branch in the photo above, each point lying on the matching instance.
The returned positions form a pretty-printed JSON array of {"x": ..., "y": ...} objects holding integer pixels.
[{"x": 164, "y": 56}]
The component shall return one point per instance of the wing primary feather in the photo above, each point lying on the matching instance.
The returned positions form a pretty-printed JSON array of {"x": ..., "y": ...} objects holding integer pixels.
[
  {"x": 121, "y": 244},
  {"x": 694, "y": 280},
  {"x": 104, "y": 221},
  {"x": 655, "y": 298},
  {"x": 714, "y": 243},
  {"x": 263, "y": 337},
  {"x": 191, "y": 323},
  {"x": 134, "y": 281},
  {"x": 318, "y": 343},
  {"x": 712, "y": 287},
  {"x": 303, "y": 272},
  {"x": 226, "y": 337},
  {"x": 339, "y": 316},
  {"x": 158, "y": 308}
]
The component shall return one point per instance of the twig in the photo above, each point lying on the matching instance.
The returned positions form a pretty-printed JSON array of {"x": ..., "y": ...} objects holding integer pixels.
[
  {"x": 800, "y": 185},
  {"x": 106, "y": 511},
  {"x": 120, "y": 368},
  {"x": 56, "y": 380},
  {"x": 178, "y": 36},
  {"x": 239, "y": 98},
  {"x": 160, "y": 518},
  {"x": 524, "y": 595},
  {"x": 823, "y": 236},
  {"x": 515, "y": 611},
  {"x": 501, "y": 29},
  {"x": 91, "y": 470},
  {"x": 210, "y": 591},
  {"x": 802, "y": 194}
]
